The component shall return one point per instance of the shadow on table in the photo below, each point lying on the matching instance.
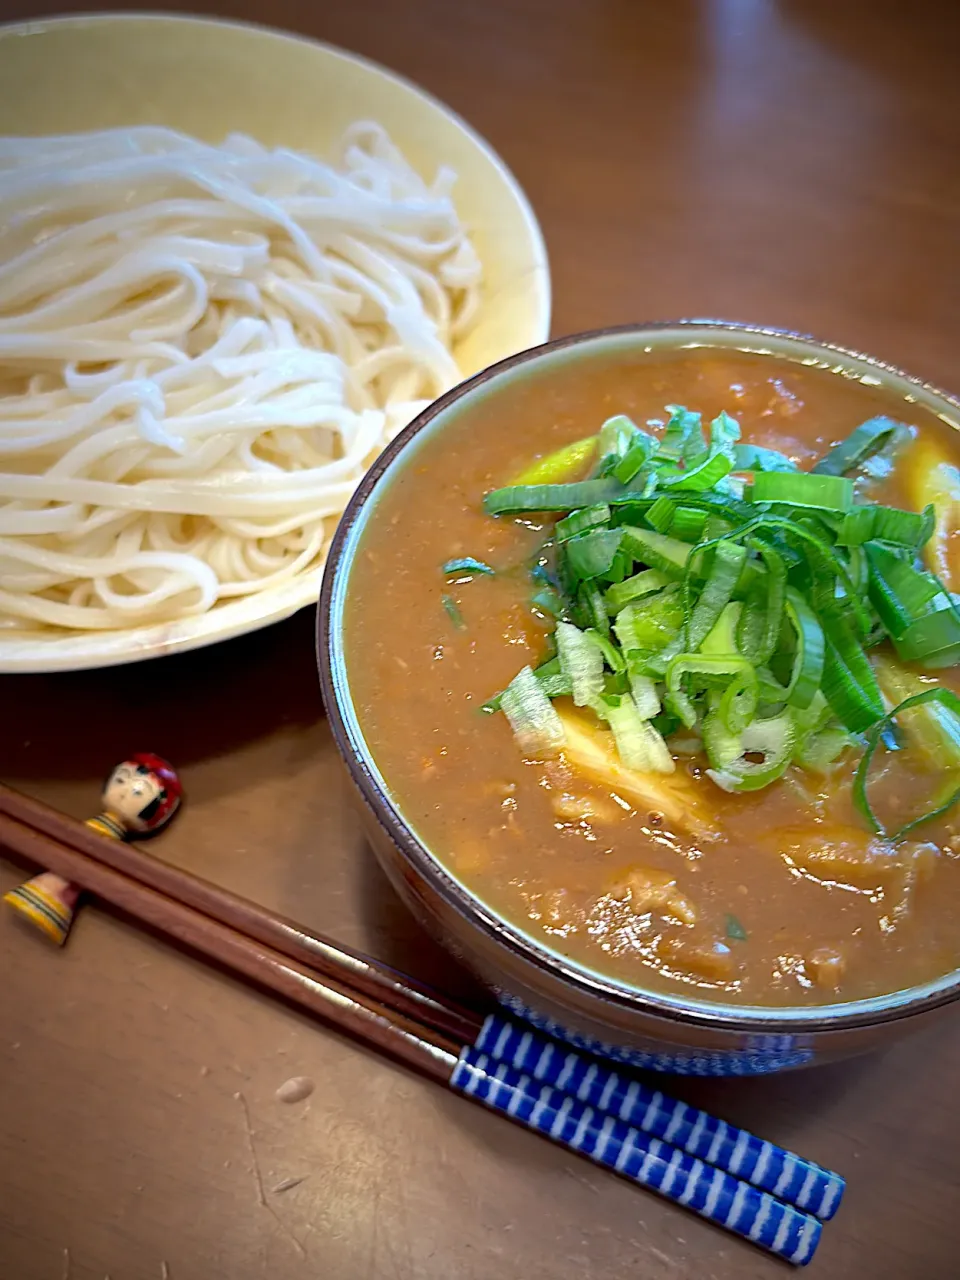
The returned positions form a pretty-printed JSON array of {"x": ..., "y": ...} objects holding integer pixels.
[{"x": 188, "y": 708}]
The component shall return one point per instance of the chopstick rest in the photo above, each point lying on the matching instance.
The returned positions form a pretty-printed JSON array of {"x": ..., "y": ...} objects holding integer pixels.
[
  {"x": 766, "y": 1166},
  {"x": 716, "y": 1195},
  {"x": 139, "y": 798}
]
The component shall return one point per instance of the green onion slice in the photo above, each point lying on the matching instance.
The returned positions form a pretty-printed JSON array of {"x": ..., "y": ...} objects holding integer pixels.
[
  {"x": 716, "y": 671},
  {"x": 640, "y": 584},
  {"x": 581, "y": 521},
  {"x": 946, "y": 699},
  {"x": 549, "y": 497},
  {"x": 453, "y": 612},
  {"x": 773, "y": 740},
  {"x": 849, "y": 684},
  {"x": 871, "y": 523},
  {"x": 657, "y": 550},
  {"x": 728, "y": 562},
  {"x": 581, "y": 661},
  {"x": 535, "y": 724},
  {"x": 803, "y": 489},
  {"x": 869, "y": 438},
  {"x": 808, "y": 660},
  {"x": 590, "y": 555},
  {"x": 467, "y": 564},
  {"x": 611, "y": 654},
  {"x": 639, "y": 745},
  {"x": 753, "y": 457}
]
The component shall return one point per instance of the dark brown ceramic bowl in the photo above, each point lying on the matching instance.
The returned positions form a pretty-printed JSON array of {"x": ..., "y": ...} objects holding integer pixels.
[{"x": 667, "y": 1032}]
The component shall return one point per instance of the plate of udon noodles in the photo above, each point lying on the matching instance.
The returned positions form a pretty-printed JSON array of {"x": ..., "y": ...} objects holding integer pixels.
[{"x": 233, "y": 265}]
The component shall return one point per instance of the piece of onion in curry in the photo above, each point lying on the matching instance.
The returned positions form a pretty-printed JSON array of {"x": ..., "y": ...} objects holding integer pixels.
[{"x": 732, "y": 860}]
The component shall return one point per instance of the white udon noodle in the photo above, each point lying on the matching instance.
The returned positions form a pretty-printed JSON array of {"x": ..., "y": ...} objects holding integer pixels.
[{"x": 202, "y": 348}]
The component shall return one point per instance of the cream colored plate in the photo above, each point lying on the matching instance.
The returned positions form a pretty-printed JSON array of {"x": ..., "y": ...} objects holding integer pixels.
[{"x": 213, "y": 78}]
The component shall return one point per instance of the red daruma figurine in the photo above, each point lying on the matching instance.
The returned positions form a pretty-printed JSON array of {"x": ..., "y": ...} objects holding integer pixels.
[{"x": 139, "y": 797}]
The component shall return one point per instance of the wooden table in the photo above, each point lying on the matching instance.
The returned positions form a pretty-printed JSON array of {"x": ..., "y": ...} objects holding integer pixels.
[{"x": 794, "y": 163}]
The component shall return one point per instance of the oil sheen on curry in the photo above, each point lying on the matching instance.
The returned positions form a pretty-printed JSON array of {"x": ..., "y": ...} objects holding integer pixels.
[{"x": 657, "y": 656}]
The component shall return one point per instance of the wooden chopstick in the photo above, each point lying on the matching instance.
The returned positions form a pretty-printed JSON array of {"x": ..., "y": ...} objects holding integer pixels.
[
  {"x": 334, "y": 1001},
  {"x": 371, "y": 977}
]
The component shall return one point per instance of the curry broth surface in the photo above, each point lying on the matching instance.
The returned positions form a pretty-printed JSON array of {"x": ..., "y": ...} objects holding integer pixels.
[{"x": 827, "y": 913}]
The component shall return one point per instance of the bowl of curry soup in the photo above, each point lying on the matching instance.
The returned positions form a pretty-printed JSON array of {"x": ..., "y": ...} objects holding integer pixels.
[{"x": 642, "y": 651}]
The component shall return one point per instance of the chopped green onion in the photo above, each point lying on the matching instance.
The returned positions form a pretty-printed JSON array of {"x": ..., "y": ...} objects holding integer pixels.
[
  {"x": 900, "y": 593},
  {"x": 637, "y": 456},
  {"x": 589, "y": 555},
  {"x": 660, "y": 516},
  {"x": 748, "y": 615},
  {"x": 467, "y": 564},
  {"x": 774, "y": 741},
  {"x": 948, "y": 700},
  {"x": 803, "y": 489},
  {"x": 682, "y": 436},
  {"x": 453, "y": 612},
  {"x": 703, "y": 475},
  {"x": 823, "y": 749},
  {"x": 548, "y": 600},
  {"x": 619, "y": 568},
  {"x": 722, "y": 746},
  {"x": 534, "y": 722},
  {"x": 849, "y": 684},
  {"x": 887, "y": 524},
  {"x": 651, "y": 622},
  {"x": 735, "y": 930},
  {"x": 611, "y": 654},
  {"x": 869, "y": 438},
  {"x": 712, "y": 671},
  {"x": 641, "y": 584},
  {"x": 593, "y": 608},
  {"x": 563, "y": 464},
  {"x": 582, "y": 520},
  {"x": 919, "y": 615},
  {"x": 581, "y": 662},
  {"x": 722, "y": 639},
  {"x": 549, "y": 497},
  {"x": 933, "y": 640},
  {"x": 556, "y": 686},
  {"x": 808, "y": 659},
  {"x": 738, "y": 703},
  {"x": 639, "y": 745},
  {"x": 758, "y": 631},
  {"x": 645, "y": 695},
  {"x": 616, "y": 436},
  {"x": 753, "y": 457},
  {"x": 934, "y": 728},
  {"x": 729, "y": 558},
  {"x": 669, "y": 555},
  {"x": 688, "y": 524}
]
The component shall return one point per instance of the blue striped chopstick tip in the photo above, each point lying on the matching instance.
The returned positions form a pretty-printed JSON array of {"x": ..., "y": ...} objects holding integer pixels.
[
  {"x": 788, "y": 1177},
  {"x": 642, "y": 1158}
]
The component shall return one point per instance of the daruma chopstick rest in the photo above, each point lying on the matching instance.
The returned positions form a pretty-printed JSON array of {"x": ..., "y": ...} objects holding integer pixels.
[{"x": 139, "y": 798}]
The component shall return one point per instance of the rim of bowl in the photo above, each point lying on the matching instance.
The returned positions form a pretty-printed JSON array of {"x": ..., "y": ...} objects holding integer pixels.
[{"x": 843, "y": 1016}]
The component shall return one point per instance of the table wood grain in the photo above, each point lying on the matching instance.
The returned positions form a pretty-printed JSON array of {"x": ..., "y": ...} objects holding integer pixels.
[{"x": 792, "y": 163}]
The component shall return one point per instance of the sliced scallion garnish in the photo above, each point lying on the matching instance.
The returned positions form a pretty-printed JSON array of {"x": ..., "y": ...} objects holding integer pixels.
[
  {"x": 467, "y": 564},
  {"x": 947, "y": 700},
  {"x": 746, "y": 614},
  {"x": 453, "y": 612},
  {"x": 803, "y": 489},
  {"x": 869, "y": 438}
]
